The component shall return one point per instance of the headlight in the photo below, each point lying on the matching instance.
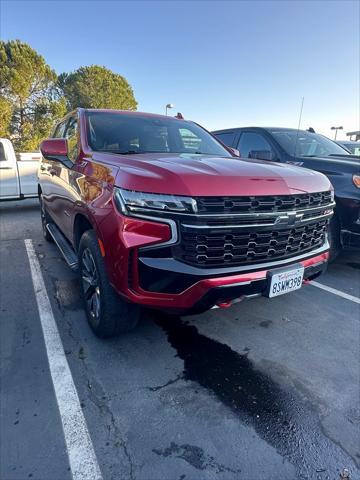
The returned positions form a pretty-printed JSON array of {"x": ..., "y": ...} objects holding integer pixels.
[
  {"x": 131, "y": 201},
  {"x": 356, "y": 180},
  {"x": 332, "y": 195}
]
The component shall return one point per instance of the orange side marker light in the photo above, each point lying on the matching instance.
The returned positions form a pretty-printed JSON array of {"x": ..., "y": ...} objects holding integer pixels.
[{"x": 102, "y": 248}]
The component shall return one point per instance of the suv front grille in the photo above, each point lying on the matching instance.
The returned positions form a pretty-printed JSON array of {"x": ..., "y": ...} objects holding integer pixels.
[
  {"x": 278, "y": 203},
  {"x": 240, "y": 247},
  {"x": 231, "y": 231}
]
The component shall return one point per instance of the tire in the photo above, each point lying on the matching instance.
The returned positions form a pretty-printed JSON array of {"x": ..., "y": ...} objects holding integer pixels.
[
  {"x": 334, "y": 238},
  {"x": 107, "y": 313},
  {"x": 45, "y": 219}
]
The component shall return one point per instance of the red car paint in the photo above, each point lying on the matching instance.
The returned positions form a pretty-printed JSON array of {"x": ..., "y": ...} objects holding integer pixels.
[
  {"x": 203, "y": 175},
  {"x": 84, "y": 189},
  {"x": 56, "y": 147},
  {"x": 187, "y": 299}
]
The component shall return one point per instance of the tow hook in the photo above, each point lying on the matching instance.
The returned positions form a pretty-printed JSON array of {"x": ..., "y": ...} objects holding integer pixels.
[
  {"x": 224, "y": 304},
  {"x": 230, "y": 303}
]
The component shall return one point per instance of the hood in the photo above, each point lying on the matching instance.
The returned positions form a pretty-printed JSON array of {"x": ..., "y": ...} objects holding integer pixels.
[
  {"x": 344, "y": 160},
  {"x": 204, "y": 175}
]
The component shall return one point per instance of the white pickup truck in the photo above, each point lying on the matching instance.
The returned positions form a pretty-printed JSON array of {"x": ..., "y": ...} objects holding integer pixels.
[{"x": 18, "y": 173}]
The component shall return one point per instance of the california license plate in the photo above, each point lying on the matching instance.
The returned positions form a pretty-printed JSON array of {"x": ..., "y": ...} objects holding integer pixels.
[{"x": 284, "y": 280}]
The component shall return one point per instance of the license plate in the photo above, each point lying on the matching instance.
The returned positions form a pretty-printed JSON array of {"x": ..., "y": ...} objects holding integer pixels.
[{"x": 283, "y": 281}]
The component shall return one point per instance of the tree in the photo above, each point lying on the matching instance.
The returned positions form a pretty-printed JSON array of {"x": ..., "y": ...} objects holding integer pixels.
[
  {"x": 5, "y": 117},
  {"x": 96, "y": 87},
  {"x": 29, "y": 100}
]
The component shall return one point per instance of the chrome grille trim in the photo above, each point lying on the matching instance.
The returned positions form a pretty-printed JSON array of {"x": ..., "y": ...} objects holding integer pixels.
[
  {"x": 259, "y": 225},
  {"x": 165, "y": 213}
]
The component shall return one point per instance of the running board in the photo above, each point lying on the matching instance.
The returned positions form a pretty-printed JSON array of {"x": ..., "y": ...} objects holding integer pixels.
[{"x": 64, "y": 246}]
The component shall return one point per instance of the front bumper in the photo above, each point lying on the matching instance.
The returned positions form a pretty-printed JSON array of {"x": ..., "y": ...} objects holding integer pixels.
[
  {"x": 146, "y": 267},
  {"x": 204, "y": 293},
  {"x": 348, "y": 212}
]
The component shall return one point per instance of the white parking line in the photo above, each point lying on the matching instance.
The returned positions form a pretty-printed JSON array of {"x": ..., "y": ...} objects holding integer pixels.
[
  {"x": 336, "y": 292},
  {"x": 82, "y": 458}
]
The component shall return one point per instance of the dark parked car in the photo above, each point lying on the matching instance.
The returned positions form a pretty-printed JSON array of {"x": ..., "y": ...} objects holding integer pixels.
[
  {"x": 155, "y": 211},
  {"x": 309, "y": 150}
]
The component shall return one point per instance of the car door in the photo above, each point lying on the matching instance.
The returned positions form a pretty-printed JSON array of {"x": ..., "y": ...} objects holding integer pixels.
[
  {"x": 49, "y": 173},
  {"x": 65, "y": 179},
  {"x": 255, "y": 145}
]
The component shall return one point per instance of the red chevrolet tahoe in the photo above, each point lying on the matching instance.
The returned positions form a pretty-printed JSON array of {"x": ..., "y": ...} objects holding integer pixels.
[{"x": 154, "y": 211}]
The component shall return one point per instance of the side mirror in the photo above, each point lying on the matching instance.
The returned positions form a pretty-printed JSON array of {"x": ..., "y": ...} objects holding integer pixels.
[
  {"x": 261, "y": 154},
  {"x": 56, "y": 149},
  {"x": 234, "y": 151}
]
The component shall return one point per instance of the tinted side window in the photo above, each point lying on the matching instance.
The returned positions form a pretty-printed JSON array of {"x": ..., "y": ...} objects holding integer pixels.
[
  {"x": 59, "y": 130},
  {"x": 71, "y": 133},
  {"x": 2, "y": 153},
  {"x": 227, "y": 138},
  {"x": 254, "y": 145}
]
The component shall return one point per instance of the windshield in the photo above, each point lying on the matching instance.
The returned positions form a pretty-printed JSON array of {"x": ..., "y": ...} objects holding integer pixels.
[
  {"x": 353, "y": 148},
  {"x": 135, "y": 134},
  {"x": 306, "y": 144}
]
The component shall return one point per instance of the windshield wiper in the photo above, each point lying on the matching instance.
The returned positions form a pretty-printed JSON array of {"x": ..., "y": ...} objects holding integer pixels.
[
  {"x": 120, "y": 152},
  {"x": 345, "y": 154}
]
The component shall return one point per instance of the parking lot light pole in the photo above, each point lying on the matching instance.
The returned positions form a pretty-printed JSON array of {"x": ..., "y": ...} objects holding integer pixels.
[
  {"x": 169, "y": 105},
  {"x": 336, "y": 130}
]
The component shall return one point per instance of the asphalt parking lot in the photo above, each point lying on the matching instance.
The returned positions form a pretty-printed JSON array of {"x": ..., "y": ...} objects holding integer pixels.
[{"x": 268, "y": 389}]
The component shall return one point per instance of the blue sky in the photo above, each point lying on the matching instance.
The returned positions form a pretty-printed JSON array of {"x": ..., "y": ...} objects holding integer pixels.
[{"x": 222, "y": 64}]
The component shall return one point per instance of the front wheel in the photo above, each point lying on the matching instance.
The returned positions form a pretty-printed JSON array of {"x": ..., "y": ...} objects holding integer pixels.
[{"x": 108, "y": 314}]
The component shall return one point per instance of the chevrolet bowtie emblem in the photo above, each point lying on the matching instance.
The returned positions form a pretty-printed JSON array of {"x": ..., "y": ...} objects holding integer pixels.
[
  {"x": 294, "y": 218},
  {"x": 291, "y": 218}
]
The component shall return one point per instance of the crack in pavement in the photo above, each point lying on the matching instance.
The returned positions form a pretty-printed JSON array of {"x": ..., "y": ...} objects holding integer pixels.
[
  {"x": 100, "y": 401},
  {"x": 170, "y": 382}
]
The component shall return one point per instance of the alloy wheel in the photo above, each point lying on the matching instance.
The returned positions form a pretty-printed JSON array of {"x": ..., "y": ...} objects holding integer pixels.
[{"x": 90, "y": 284}]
